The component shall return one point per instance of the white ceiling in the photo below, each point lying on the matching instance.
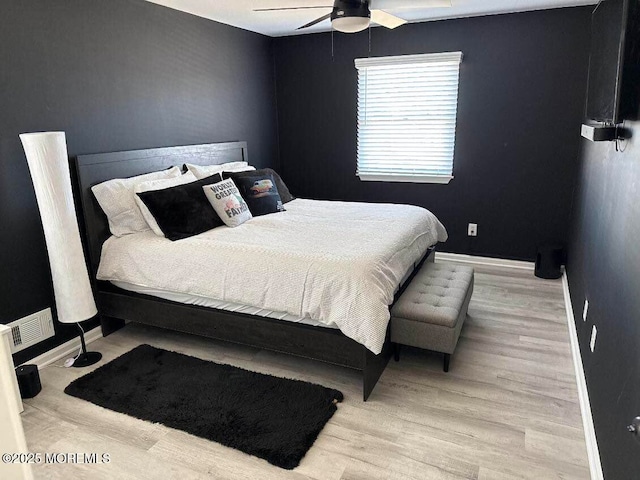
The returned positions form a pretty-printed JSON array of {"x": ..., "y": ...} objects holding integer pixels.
[{"x": 239, "y": 13}]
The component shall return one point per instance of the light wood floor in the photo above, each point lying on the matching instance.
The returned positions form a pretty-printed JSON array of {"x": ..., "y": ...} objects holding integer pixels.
[{"x": 507, "y": 409}]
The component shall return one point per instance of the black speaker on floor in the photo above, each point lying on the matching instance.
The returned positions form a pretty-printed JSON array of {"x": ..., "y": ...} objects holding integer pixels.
[
  {"x": 549, "y": 261},
  {"x": 28, "y": 380}
]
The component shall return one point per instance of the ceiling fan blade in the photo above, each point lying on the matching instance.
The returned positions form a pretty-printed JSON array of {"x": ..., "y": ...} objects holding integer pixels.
[
  {"x": 317, "y": 20},
  {"x": 289, "y": 8},
  {"x": 386, "y": 19},
  {"x": 403, "y": 4}
]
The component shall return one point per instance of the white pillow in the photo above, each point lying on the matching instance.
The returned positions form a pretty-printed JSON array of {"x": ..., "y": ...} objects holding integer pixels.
[
  {"x": 158, "y": 185},
  {"x": 117, "y": 200},
  {"x": 226, "y": 200},
  {"x": 203, "y": 171}
]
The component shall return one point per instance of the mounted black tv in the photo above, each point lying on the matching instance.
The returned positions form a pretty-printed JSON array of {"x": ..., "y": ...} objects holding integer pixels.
[{"x": 614, "y": 64}]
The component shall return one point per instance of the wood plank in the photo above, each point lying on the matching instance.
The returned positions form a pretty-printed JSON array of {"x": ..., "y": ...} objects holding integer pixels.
[{"x": 507, "y": 409}]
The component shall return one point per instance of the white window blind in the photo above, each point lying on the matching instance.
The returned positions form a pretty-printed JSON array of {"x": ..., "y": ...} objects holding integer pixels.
[{"x": 407, "y": 108}]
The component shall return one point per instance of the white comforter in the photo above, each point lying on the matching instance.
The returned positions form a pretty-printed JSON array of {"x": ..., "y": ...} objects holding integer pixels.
[{"x": 335, "y": 262}]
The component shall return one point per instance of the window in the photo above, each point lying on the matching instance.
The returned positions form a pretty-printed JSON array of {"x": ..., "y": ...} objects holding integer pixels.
[{"x": 407, "y": 109}]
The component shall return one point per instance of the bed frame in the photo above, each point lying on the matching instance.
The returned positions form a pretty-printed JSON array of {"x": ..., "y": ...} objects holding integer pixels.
[{"x": 116, "y": 305}]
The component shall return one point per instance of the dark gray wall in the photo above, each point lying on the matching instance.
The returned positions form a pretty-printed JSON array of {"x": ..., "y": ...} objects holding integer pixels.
[
  {"x": 114, "y": 75},
  {"x": 604, "y": 267},
  {"x": 521, "y": 101}
]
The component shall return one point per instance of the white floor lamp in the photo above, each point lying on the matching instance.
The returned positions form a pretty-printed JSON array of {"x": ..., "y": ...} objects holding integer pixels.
[{"x": 49, "y": 166}]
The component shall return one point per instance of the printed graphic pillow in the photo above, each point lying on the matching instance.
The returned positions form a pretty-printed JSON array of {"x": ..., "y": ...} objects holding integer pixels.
[
  {"x": 260, "y": 193},
  {"x": 283, "y": 191},
  {"x": 226, "y": 200}
]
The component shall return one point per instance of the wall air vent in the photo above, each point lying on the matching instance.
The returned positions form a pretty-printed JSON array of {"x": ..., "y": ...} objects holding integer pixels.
[{"x": 31, "y": 330}]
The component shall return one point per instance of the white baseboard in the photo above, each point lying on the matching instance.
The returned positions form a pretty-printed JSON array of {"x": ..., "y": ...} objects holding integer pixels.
[
  {"x": 487, "y": 261},
  {"x": 583, "y": 395},
  {"x": 65, "y": 350}
]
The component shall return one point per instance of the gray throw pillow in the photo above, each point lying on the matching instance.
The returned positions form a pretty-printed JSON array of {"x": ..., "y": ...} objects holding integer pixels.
[{"x": 226, "y": 200}]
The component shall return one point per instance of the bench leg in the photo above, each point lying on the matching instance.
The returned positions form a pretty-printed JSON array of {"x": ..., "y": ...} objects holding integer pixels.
[
  {"x": 396, "y": 352},
  {"x": 447, "y": 358}
]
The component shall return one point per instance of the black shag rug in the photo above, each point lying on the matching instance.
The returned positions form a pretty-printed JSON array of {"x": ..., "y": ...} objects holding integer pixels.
[{"x": 274, "y": 418}]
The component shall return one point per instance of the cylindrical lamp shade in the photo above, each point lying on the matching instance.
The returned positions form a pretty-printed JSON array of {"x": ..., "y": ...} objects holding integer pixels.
[{"x": 49, "y": 165}]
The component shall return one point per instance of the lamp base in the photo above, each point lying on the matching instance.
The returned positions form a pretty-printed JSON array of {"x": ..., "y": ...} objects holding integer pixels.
[{"x": 87, "y": 358}]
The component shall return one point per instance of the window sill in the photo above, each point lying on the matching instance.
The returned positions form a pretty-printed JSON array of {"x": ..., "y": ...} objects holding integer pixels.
[{"x": 440, "y": 179}]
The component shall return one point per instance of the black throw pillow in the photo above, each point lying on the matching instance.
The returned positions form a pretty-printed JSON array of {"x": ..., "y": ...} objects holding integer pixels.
[
  {"x": 183, "y": 211},
  {"x": 259, "y": 191},
  {"x": 283, "y": 191}
]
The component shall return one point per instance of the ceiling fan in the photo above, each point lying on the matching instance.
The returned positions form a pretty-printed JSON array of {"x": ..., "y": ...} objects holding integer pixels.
[{"x": 351, "y": 16}]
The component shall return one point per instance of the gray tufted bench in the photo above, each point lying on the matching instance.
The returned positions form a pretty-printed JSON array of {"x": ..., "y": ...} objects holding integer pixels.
[{"x": 431, "y": 311}]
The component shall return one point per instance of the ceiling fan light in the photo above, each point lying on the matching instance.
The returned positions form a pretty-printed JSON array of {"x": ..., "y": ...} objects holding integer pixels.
[{"x": 350, "y": 24}]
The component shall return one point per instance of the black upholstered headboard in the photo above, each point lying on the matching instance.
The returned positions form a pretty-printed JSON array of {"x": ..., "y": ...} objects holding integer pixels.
[{"x": 97, "y": 168}]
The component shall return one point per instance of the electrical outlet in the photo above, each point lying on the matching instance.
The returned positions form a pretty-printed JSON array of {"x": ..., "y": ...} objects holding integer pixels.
[
  {"x": 585, "y": 310},
  {"x": 472, "y": 230},
  {"x": 592, "y": 343}
]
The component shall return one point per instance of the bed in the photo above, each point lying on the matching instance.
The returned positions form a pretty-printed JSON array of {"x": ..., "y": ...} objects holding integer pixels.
[{"x": 315, "y": 281}]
